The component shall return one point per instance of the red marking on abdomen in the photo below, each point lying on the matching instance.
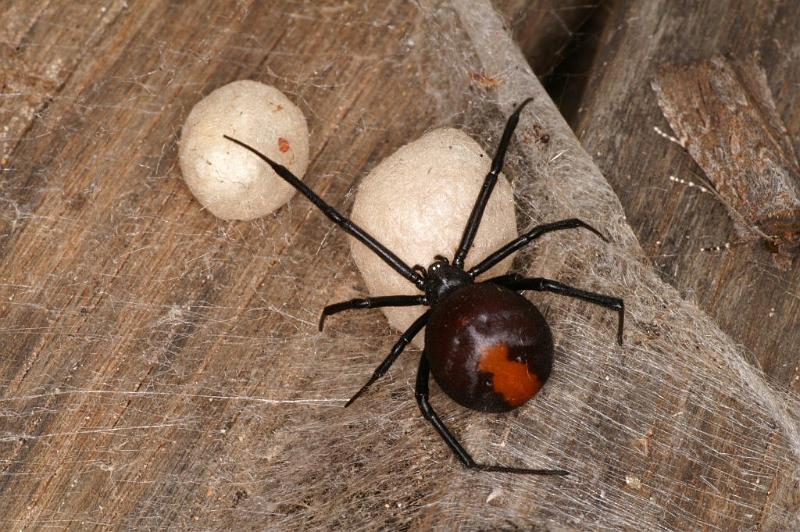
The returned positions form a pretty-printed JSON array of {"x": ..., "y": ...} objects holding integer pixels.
[
  {"x": 510, "y": 379},
  {"x": 283, "y": 145}
]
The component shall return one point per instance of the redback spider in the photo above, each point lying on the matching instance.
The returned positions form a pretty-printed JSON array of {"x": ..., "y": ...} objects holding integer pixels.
[{"x": 489, "y": 348}]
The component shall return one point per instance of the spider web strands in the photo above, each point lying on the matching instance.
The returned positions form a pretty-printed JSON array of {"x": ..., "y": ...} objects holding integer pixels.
[
  {"x": 142, "y": 393},
  {"x": 339, "y": 219}
]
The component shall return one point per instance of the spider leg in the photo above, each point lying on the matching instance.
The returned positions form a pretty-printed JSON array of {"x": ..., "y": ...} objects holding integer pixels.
[
  {"x": 486, "y": 190},
  {"x": 401, "y": 344},
  {"x": 527, "y": 238},
  {"x": 422, "y": 393},
  {"x": 516, "y": 282},
  {"x": 371, "y": 302},
  {"x": 339, "y": 219}
]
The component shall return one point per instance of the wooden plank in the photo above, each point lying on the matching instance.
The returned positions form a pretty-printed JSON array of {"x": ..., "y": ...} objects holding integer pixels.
[
  {"x": 161, "y": 368},
  {"x": 752, "y": 299},
  {"x": 726, "y": 119}
]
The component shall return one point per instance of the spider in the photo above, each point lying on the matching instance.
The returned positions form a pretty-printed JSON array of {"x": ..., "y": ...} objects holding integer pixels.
[{"x": 488, "y": 347}]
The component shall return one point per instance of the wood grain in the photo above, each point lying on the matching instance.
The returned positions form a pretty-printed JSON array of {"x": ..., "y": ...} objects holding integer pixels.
[
  {"x": 725, "y": 117},
  {"x": 755, "y": 302},
  {"x": 162, "y": 369}
]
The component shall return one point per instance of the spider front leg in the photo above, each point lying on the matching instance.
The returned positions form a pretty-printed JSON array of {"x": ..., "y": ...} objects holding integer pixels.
[
  {"x": 527, "y": 238},
  {"x": 338, "y": 218},
  {"x": 489, "y": 182},
  {"x": 401, "y": 344},
  {"x": 422, "y": 393},
  {"x": 371, "y": 302},
  {"x": 516, "y": 282}
]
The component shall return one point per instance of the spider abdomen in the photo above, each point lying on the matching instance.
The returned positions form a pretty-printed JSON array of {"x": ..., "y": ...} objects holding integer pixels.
[{"x": 489, "y": 348}]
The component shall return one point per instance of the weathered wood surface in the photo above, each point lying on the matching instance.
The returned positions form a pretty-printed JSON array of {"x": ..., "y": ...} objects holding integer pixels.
[
  {"x": 752, "y": 300},
  {"x": 723, "y": 114},
  {"x": 160, "y": 368}
]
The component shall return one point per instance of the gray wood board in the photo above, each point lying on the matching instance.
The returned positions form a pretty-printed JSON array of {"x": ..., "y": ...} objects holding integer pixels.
[{"x": 161, "y": 368}]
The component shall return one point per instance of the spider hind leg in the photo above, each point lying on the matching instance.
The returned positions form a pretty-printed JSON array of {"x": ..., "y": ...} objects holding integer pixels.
[
  {"x": 540, "y": 284},
  {"x": 422, "y": 394},
  {"x": 398, "y": 348},
  {"x": 527, "y": 238}
]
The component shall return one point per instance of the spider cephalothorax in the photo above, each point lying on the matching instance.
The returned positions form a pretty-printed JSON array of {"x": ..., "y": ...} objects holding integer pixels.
[
  {"x": 441, "y": 278},
  {"x": 488, "y": 348}
]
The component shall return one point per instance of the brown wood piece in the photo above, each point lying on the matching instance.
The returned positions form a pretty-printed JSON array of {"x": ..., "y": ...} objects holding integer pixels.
[
  {"x": 724, "y": 115},
  {"x": 754, "y": 302}
]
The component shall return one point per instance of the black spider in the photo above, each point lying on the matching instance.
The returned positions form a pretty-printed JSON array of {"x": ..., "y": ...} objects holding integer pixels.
[{"x": 489, "y": 348}]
